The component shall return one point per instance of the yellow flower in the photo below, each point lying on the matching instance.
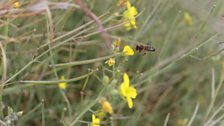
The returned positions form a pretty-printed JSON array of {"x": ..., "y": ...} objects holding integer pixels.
[
  {"x": 106, "y": 106},
  {"x": 117, "y": 43},
  {"x": 110, "y": 61},
  {"x": 127, "y": 91},
  {"x": 17, "y": 4},
  {"x": 62, "y": 85},
  {"x": 95, "y": 121},
  {"x": 129, "y": 16},
  {"x": 128, "y": 51},
  {"x": 188, "y": 18}
]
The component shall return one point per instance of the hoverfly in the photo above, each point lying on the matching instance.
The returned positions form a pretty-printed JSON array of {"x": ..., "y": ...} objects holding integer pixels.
[{"x": 145, "y": 48}]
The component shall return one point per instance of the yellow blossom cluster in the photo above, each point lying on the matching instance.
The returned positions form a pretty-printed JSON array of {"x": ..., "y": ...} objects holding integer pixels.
[
  {"x": 127, "y": 51},
  {"x": 125, "y": 89},
  {"x": 130, "y": 16}
]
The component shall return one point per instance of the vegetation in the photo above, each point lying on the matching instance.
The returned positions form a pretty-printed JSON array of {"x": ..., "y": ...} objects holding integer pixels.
[{"x": 75, "y": 63}]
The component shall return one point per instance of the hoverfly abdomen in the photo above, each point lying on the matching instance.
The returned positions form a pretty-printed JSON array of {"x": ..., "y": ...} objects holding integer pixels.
[
  {"x": 150, "y": 48},
  {"x": 145, "y": 48}
]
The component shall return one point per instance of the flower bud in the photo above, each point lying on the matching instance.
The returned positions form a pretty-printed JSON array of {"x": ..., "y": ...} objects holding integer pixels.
[{"x": 105, "y": 79}]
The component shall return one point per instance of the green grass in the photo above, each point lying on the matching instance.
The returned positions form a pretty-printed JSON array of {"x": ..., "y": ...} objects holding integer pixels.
[{"x": 181, "y": 82}]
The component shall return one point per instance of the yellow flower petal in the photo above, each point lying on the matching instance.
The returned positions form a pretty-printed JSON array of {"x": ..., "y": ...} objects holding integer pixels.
[
  {"x": 117, "y": 43},
  {"x": 106, "y": 106},
  {"x": 95, "y": 121},
  {"x": 128, "y": 4},
  {"x": 17, "y": 4},
  {"x": 126, "y": 79},
  {"x": 62, "y": 85},
  {"x": 133, "y": 24},
  {"x": 188, "y": 18},
  {"x": 131, "y": 10},
  {"x": 128, "y": 51},
  {"x": 122, "y": 89},
  {"x": 130, "y": 103},
  {"x": 131, "y": 92}
]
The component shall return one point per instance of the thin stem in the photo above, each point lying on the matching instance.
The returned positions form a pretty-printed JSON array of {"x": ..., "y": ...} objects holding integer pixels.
[
  {"x": 87, "y": 61},
  {"x": 67, "y": 102},
  {"x": 87, "y": 108},
  {"x": 59, "y": 81},
  {"x": 43, "y": 112},
  {"x": 193, "y": 116},
  {"x": 167, "y": 119}
]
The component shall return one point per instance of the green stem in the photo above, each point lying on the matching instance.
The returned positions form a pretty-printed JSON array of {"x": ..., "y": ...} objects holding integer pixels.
[
  {"x": 43, "y": 113},
  {"x": 59, "y": 81},
  {"x": 42, "y": 54},
  {"x": 14, "y": 89},
  {"x": 28, "y": 115},
  {"x": 67, "y": 102},
  {"x": 87, "y": 108},
  {"x": 87, "y": 61}
]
